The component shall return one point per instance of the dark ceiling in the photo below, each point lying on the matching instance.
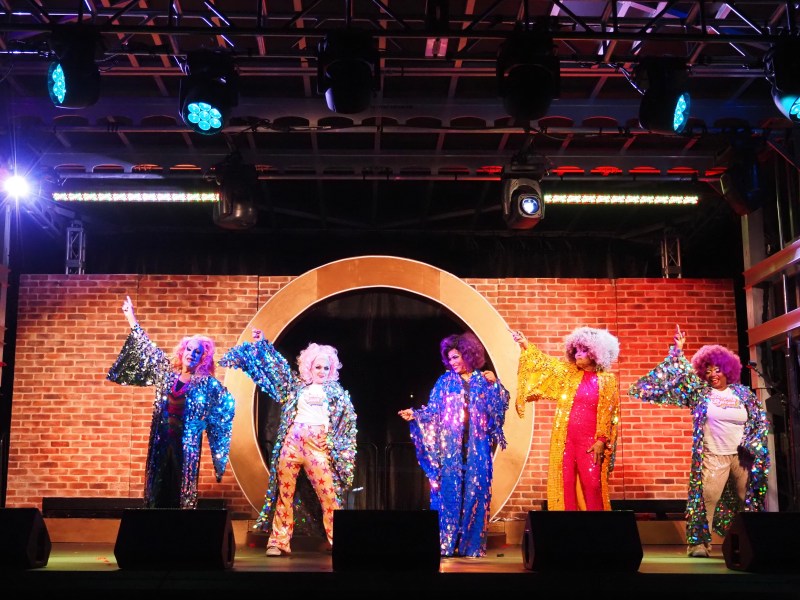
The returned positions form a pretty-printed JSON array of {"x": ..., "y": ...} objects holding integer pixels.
[{"x": 417, "y": 173}]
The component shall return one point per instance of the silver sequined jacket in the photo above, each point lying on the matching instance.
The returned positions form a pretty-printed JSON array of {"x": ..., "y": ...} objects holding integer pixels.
[{"x": 209, "y": 407}]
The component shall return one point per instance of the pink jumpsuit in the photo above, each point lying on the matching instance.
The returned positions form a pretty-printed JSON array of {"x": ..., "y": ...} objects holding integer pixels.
[{"x": 581, "y": 432}]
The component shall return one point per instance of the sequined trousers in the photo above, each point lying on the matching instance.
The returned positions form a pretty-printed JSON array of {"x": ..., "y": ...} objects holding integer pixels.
[{"x": 304, "y": 447}]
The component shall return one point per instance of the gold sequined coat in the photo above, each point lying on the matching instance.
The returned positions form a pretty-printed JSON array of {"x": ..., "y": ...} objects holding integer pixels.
[{"x": 544, "y": 377}]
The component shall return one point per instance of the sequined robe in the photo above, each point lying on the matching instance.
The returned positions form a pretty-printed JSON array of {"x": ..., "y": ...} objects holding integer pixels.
[
  {"x": 209, "y": 407},
  {"x": 544, "y": 377},
  {"x": 674, "y": 382},
  {"x": 267, "y": 367},
  {"x": 459, "y": 469}
]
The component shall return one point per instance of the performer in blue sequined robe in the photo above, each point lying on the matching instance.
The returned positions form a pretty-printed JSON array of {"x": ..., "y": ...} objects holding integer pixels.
[
  {"x": 268, "y": 368},
  {"x": 678, "y": 382},
  {"x": 188, "y": 401},
  {"x": 454, "y": 436}
]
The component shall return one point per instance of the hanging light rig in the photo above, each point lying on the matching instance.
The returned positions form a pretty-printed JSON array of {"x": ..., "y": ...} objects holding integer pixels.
[
  {"x": 208, "y": 91},
  {"x": 73, "y": 78}
]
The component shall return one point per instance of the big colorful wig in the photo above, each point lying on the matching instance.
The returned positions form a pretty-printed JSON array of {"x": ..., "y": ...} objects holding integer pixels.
[
  {"x": 206, "y": 365},
  {"x": 719, "y": 356},
  {"x": 307, "y": 356},
  {"x": 470, "y": 347},
  {"x": 603, "y": 348}
]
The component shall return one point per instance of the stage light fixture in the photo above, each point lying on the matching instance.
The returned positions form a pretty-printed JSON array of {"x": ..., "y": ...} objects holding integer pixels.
[
  {"x": 666, "y": 103},
  {"x": 523, "y": 201},
  {"x": 783, "y": 72},
  {"x": 208, "y": 91},
  {"x": 348, "y": 70},
  {"x": 73, "y": 78},
  {"x": 528, "y": 74},
  {"x": 239, "y": 191}
]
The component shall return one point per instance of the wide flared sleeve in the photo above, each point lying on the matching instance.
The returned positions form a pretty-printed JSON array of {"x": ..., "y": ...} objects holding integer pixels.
[
  {"x": 672, "y": 382},
  {"x": 140, "y": 362},
  {"x": 219, "y": 423},
  {"x": 425, "y": 428},
  {"x": 496, "y": 407},
  {"x": 539, "y": 377},
  {"x": 342, "y": 433},
  {"x": 262, "y": 363}
]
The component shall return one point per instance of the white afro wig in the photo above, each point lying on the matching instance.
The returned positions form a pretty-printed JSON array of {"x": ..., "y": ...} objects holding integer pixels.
[{"x": 602, "y": 346}]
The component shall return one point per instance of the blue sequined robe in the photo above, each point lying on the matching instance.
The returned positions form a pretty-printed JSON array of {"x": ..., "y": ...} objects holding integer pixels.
[
  {"x": 209, "y": 407},
  {"x": 267, "y": 367},
  {"x": 459, "y": 469},
  {"x": 674, "y": 382}
]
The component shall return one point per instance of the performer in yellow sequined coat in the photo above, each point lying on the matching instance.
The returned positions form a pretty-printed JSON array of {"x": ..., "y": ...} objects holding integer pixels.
[{"x": 584, "y": 434}]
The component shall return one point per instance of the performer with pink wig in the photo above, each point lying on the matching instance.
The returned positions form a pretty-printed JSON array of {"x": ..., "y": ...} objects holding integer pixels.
[
  {"x": 316, "y": 433},
  {"x": 730, "y": 455},
  {"x": 584, "y": 434},
  {"x": 189, "y": 400}
]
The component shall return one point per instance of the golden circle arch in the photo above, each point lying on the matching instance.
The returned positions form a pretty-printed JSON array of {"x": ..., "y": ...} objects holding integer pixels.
[{"x": 411, "y": 276}]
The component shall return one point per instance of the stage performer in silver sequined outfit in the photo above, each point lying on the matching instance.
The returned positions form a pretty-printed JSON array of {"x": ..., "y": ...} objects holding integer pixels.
[
  {"x": 189, "y": 400},
  {"x": 730, "y": 454},
  {"x": 317, "y": 432}
]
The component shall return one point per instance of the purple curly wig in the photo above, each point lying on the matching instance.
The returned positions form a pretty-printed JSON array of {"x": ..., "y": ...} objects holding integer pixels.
[
  {"x": 719, "y": 356},
  {"x": 206, "y": 364},
  {"x": 306, "y": 359},
  {"x": 470, "y": 347},
  {"x": 602, "y": 347}
]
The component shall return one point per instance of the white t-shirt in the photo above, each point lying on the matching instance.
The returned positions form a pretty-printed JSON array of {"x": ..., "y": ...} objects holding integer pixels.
[
  {"x": 312, "y": 406},
  {"x": 725, "y": 422}
]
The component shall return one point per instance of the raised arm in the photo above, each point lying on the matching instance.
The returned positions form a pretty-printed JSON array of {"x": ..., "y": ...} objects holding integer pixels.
[{"x": 127, "y": 310}]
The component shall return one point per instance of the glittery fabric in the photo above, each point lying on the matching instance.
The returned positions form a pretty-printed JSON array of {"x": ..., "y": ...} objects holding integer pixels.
[
  {"x": 208, "y": 407},
  {"x": 674, "y": 383},
  {"x": 544, "y": 377},
  {"x": 454, "y": 436},
  {"x": 303, "y": 449},
  {"x": 267, "y": 367}
]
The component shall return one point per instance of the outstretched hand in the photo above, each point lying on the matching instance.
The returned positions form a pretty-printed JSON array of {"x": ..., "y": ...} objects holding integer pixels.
[
  {"x": 520, "y": 338},
  {"x": 407, "y": 414},
  {"x": 127, "y": 310},
  {"x": 680, "y": 337}
]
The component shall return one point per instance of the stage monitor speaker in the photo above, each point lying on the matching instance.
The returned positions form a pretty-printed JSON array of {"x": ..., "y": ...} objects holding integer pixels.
[
  {"x": 763, "y": 542},
  {"x": 568, "y": 541},
  {"x": 24, "y": 540},
  {"x": 386, "y": 540},
  {"x": 175, "y": 539}
]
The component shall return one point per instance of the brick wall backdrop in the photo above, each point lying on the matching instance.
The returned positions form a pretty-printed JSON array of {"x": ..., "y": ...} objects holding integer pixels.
[{"x": 75, "y": 434}]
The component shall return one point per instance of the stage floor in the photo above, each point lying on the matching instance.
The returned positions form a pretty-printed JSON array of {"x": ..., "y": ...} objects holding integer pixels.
[{"x": 665, "y": 572}]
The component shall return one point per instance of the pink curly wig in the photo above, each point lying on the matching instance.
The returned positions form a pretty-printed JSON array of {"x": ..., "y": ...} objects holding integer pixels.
[
  {"x": 719, "y": 356},
  {"x": 602, "y": 347},
  {"x": 206, "y": 365},
  {"x": 470, "y": 347},
  {"x": 306, "y": 359}
]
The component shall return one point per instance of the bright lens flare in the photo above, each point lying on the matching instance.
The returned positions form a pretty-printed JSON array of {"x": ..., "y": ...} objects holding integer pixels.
[{"x": 16, "y": 186}]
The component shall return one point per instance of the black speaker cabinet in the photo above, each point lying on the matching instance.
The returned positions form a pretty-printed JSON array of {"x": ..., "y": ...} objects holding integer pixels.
[
  {"x": 581, "y": 541},
  {"x": 24, "y": 540},
  {"x": 763, "y": 542},
  {"x": 386, "y": 540},
  {"x": 173, "y": 538}
]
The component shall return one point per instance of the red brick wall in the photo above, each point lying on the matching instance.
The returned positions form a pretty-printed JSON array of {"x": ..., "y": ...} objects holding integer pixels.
[{"x": 75, "y": 434}]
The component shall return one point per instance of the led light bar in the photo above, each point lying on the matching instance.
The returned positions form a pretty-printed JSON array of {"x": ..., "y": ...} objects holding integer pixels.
[
  {"x": 164, "y": 196},
  {"x": 637, "y": 199}
]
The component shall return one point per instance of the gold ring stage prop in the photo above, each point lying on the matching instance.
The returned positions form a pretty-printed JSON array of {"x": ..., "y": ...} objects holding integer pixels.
[{"x": 389, "y": 272}]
